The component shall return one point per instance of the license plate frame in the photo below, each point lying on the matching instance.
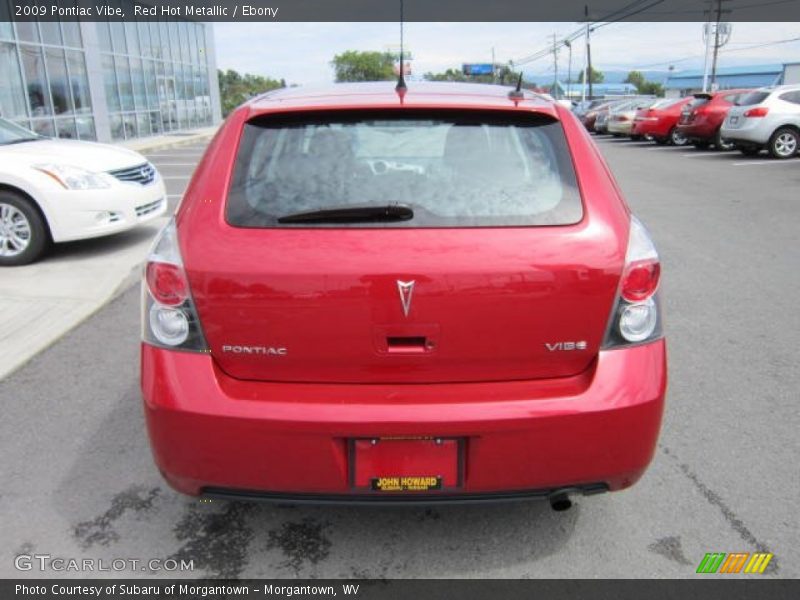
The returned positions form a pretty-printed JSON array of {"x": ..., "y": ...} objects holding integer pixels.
[{"x": 447, "y": 468}]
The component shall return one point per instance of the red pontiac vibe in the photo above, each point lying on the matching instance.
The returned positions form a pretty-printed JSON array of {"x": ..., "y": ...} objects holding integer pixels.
[
  {"x": 431, "y": 295},
  {"x": 660, "y": 121}
]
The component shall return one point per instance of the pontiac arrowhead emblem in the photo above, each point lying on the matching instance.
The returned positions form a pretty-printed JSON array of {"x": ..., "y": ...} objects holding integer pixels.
[{"x": 406, "y": 289}]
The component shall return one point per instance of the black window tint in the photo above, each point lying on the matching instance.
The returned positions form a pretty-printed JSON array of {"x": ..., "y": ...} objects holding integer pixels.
[
  {"x": 752, "y": 98},
  {"x": 793, "y": 97},
  {"x": 453, "y": 169}
]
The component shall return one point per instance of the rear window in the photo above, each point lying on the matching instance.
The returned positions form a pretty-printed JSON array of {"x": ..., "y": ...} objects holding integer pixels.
[
  {"x": 752, "y": 98},
  {"x": 453, "y": 170},
  {"x": 696, "y": 103},
  {"x": 666, "y": 103},
  {"x": 793, "y": 97}
]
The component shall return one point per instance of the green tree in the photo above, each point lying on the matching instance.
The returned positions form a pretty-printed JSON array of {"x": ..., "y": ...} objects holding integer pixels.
[
  {"x": 651, "y": 88},
  {"x": 448, "y": 75},
  {"x": 235, "y": 88},
  {"x": 637, "y": 79},
  {"x": 643, "y": 86},
  {"x": 355, "y": 65},
  {"x": 595, "y": 76}
]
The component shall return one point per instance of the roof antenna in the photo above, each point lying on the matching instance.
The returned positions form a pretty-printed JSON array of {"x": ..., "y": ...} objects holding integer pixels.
[
  {"x": 516, "y": 93},
  {"x": 401, "y": 86}
]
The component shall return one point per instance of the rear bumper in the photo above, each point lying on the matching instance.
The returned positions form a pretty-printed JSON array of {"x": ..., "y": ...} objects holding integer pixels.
[
  {"x": 747, "y": 135},
  {"x": 402, "y": 500},
  {"x": 623, "y": 127},
  {"x": 699, "y": 131},
  {"x": 656, "y": 128},
  {"x": 214, "y": 434}
]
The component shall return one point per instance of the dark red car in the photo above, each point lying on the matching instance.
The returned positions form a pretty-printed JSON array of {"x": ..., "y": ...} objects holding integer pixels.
[
  {"x": 590, "y": 116},
  {"x": 425, "y": 296},
  {"x": 702, "y": 118},
  {"x": 660, "y": 121}
]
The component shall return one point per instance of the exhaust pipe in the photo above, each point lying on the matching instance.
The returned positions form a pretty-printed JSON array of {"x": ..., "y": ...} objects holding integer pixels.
[{"x": 560, "y": 501}]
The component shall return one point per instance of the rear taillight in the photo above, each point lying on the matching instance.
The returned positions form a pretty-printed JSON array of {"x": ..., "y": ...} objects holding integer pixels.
[
  {"x": 166, "y": 283},
  {"x": 169, "y": 318},
  {"x": 760, "y": 111},
  {"x": 636, "y": 315},
  {"x": 640, "y": 280}
]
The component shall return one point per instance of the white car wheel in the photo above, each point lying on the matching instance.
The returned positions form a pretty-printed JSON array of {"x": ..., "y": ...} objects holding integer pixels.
[
  {"x": 783, "y": 143},
  {"x": 23, "y": 233}
]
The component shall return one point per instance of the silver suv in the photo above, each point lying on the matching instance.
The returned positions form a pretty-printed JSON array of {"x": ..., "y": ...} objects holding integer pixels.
[{"x": 766, "y": 118}]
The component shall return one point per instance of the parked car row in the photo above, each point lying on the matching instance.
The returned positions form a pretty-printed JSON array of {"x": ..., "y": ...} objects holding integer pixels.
[{"x": 744, "y": 119}]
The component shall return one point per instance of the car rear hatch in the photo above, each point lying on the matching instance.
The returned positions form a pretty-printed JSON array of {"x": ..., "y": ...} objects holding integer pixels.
[
  {"x": 645, "y": 114},
  {"x": 746, "y": 106},
  {"x": 688, "y": 112},
  {"x": 499, "y": 275}
]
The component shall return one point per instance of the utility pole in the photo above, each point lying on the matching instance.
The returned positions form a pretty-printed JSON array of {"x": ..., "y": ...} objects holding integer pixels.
[
  {"x": 717, "y": 43},
  {"x": 568, "y": 44},
  {"x": 587, "y": 72},
  {"x": 583, "y": 82},
  {"x": 494, "y": 71},
  {"x": 555, "y": 68},
  {"x": 707, "y": 37}
]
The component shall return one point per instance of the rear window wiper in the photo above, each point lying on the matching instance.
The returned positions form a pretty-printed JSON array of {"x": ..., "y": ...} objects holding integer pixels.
[{"x": 352, "y": 214}]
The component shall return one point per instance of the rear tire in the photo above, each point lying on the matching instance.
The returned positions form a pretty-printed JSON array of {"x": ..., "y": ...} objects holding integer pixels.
[
  {"x": 721, "y": 144},
  {"x": 23, "y": 232},
  {"x": 784, "y": 143},
  {"x": 676, "y": 138}
]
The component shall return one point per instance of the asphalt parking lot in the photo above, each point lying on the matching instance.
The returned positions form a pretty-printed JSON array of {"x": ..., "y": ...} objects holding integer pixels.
[
  {"x": 176, "y": 166},
  {"x": 78, "y": 480}
]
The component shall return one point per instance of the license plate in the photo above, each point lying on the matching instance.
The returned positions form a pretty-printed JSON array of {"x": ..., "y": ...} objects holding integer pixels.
[{"x": 385, "y": 465}]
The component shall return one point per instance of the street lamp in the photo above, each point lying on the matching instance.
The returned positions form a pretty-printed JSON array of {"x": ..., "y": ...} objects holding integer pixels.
[{"x": 569, "y": 65}]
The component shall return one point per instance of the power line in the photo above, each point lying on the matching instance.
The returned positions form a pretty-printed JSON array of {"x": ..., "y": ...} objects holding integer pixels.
[
  {"x": 734, "y": 7},
  {"x": 723, "y": 50},
  {"x": 622, "y": 18},
  {"x": 764, "y": 45},
  {"x": 632, "y": 8}
]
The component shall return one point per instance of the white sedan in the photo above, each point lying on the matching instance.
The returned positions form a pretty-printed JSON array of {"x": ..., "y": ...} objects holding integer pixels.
[{"x": 61, "y": 190}]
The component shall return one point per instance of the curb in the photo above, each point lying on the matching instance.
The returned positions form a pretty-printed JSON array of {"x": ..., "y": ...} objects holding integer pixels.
[{"x": 166, "y": 142}]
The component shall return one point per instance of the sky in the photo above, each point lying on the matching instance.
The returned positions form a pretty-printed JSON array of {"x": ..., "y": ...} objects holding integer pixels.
[{"x": 301, "y": 53}]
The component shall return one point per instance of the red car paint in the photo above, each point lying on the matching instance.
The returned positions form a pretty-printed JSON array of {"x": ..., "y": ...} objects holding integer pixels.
[
  {"x": 658, "y": 122},
  {"x": 499, "y": 308},
  {"x": 702, "y": 123}
]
